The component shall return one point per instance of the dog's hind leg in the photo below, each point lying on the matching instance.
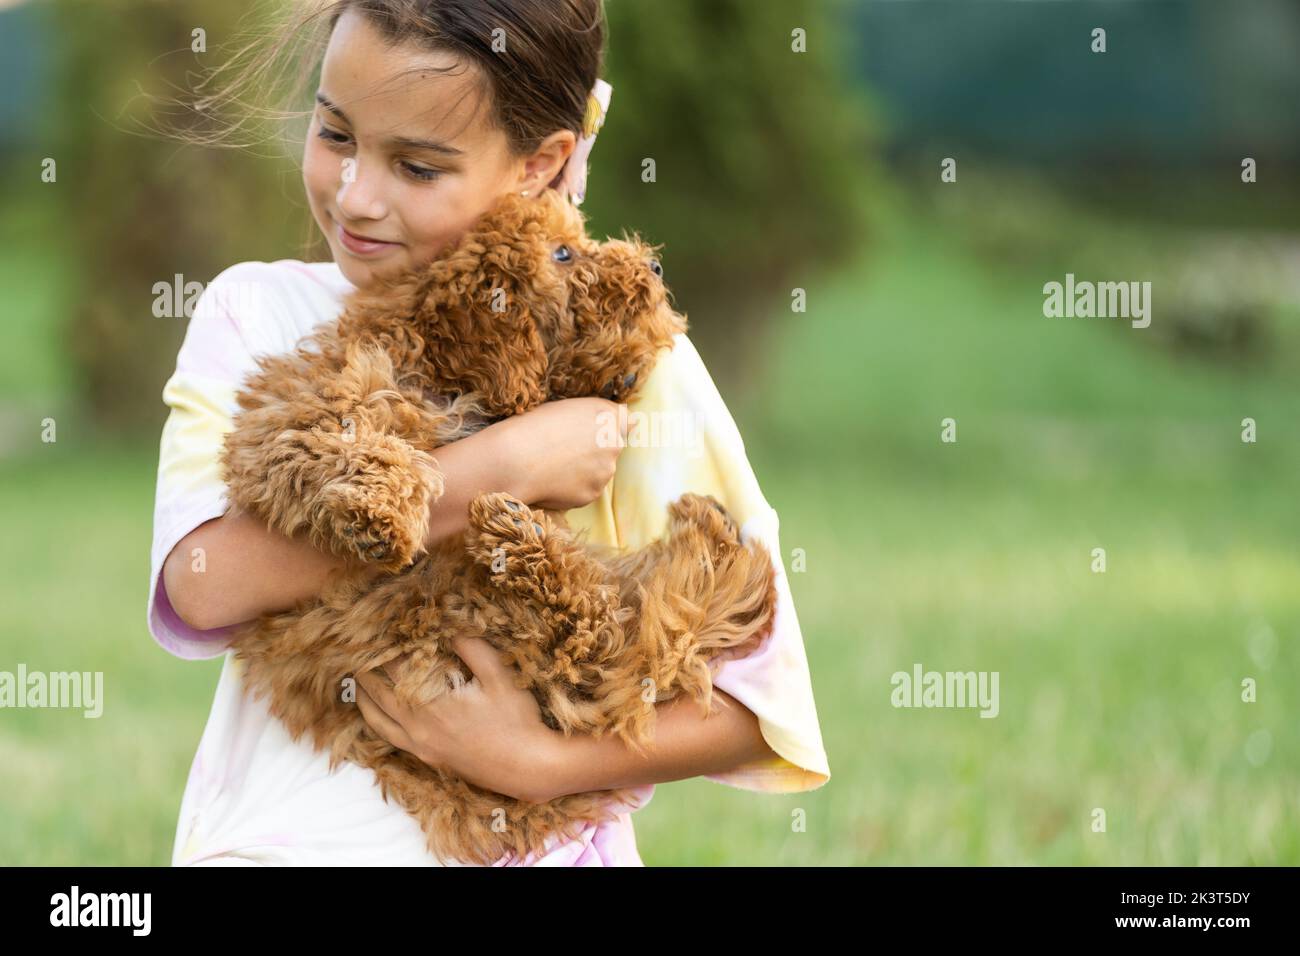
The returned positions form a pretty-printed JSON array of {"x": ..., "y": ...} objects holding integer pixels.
[
  {"x": 708, "y": 597},
  {"x": 570, "y": 631},
  {"x": 528, "y": 553}
]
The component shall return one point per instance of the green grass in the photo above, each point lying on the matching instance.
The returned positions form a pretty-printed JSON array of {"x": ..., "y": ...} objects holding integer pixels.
[
  {"x": 1119, "y": 691},
  {"x": 76, "y": 566}
]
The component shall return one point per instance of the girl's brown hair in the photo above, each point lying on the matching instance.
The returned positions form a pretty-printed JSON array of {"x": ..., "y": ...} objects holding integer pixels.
[{"x": 539, "y": 58}]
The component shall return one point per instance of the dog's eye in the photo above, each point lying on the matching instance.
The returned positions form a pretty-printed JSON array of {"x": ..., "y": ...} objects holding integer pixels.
[
  {"x": 656, "y": 268},
  {"x": 562, "y": 254}
]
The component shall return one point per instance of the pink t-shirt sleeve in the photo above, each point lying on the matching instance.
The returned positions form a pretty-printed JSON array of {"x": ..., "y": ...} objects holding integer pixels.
[{"x": 212, "y": 362}]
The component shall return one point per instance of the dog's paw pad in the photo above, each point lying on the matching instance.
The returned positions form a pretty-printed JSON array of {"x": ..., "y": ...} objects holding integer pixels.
[
  {"x": 367, "y": 544},
  {"x": 536, "y": 527}
]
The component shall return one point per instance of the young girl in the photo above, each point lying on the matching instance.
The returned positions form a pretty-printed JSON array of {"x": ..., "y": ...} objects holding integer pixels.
[{"x": 426, "y": 112}]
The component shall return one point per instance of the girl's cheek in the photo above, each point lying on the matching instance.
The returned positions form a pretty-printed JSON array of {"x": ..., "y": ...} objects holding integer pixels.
[{"x": 321, "y": 170}]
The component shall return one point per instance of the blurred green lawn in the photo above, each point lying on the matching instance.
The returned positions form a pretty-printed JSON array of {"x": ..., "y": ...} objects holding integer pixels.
[{"x": 1119, "y": 690}]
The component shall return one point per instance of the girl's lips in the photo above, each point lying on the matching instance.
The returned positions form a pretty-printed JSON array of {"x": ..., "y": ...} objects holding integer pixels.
[{"x": 362, "y": 247}]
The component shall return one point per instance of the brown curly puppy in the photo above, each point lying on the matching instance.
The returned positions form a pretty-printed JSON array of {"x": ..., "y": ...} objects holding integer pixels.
[{"x": 336, "y": 441}]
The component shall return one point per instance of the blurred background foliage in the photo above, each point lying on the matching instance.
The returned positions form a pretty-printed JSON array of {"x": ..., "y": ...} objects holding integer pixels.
[
  {"x": 744, "y": 132},
  {"x": 146, "y": 208},
  {"x": 776, "y": 171},
  {"x": 761, "y": 154}
]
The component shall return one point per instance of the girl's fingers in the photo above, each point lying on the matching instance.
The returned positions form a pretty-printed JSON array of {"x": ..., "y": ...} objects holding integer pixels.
[
  {"x": 481, "y": 658},
  {"x": 391, "y": 668},
  {"x": 380, "y": 721},
  {"x": 381, "y": 693}
]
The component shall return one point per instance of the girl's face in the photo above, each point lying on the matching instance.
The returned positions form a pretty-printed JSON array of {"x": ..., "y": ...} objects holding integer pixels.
[{"x": 396, "y": 171}]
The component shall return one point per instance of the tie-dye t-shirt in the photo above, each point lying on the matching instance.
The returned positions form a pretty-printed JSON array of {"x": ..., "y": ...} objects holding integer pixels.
[{"x": 256, "y": 797}]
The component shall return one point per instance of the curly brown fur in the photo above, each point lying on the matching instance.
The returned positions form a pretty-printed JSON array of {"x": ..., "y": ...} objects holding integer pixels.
[{"x": 336, "y": 441}]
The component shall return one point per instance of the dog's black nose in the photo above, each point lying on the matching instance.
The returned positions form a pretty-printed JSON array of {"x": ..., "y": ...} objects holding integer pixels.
[
  {"x": 613, "y": 387},
  {"x": 656, "y": 268}
]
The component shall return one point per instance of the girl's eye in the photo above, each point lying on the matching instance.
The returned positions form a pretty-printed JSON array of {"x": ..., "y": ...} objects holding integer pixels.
[
  {"x": 330, "y": 136},
  {"x": 419, "y": 172}
]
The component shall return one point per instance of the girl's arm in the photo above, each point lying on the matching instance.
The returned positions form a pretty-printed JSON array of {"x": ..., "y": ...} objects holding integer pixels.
[
  {"x": 687, "y": 744},
  {"x": 491, "y": 733},
  {"x": 552, "y": 456},
  {"x": 250, "y": 569}
]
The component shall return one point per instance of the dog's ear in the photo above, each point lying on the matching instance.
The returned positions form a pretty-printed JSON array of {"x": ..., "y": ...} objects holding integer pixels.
[
  {"x": 486, "y": 341},
  {"x": 478, "y": 311}
]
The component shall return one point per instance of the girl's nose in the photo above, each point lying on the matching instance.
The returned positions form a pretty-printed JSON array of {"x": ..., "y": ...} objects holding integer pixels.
[{"x": 358, "y": 196}]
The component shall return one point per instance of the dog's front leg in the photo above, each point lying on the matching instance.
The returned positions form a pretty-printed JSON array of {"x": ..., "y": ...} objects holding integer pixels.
[{"x": 319, "y": 447}]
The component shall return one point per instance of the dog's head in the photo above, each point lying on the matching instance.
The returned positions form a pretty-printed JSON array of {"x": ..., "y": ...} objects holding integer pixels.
[{"x": 526, "y": 308}]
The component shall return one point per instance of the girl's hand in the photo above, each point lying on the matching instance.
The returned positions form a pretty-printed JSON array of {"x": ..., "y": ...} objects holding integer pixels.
[
  {"x": 488, "y": 732},
  {"x": 564, "y": 452}
]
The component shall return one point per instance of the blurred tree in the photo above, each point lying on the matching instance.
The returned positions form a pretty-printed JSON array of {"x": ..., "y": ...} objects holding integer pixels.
[
  {"x": 138, "y": 208},
  {"x": 759, "y": 154}
]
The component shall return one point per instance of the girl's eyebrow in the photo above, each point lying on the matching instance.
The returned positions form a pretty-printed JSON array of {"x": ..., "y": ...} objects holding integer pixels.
[{"x": 406, "y": 141}]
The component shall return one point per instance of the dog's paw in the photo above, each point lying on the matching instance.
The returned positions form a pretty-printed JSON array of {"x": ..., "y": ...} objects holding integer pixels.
[
  {"x": 376, "y": 506},
  {"x": 500, "y": 525},
  {"x": 373, "y": 525},
  {"x": 703, "y": 513}
]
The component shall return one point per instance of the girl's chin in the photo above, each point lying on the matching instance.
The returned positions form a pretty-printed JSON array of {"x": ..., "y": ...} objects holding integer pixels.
[{"x": 361, "y": 272}]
